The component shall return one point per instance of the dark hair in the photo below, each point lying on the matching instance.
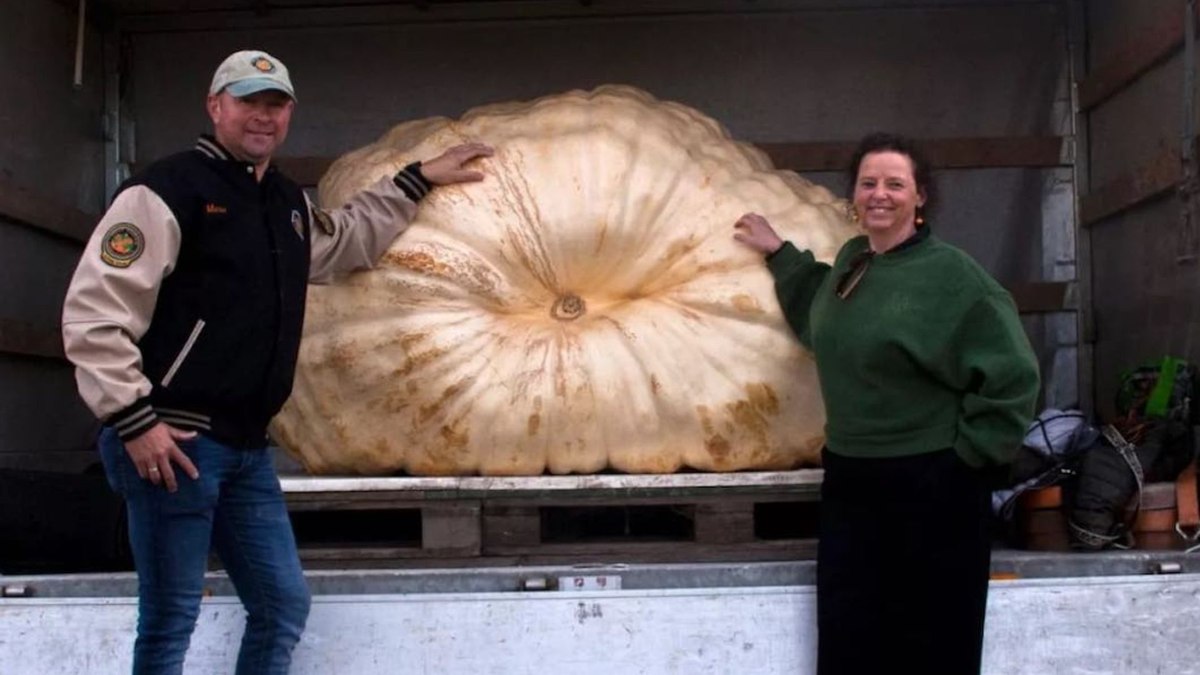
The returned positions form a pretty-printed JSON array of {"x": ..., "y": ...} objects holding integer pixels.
[{"x": 884, "y": 142}]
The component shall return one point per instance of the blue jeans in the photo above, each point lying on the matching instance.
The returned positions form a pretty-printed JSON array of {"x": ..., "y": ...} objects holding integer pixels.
[{"x": 237, "y": 508}]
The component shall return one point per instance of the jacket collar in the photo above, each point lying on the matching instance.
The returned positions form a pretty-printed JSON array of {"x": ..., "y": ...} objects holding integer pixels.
[{"x": 208, "y": 146}]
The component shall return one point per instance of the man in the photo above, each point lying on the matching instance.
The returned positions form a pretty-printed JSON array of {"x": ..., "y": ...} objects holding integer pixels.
[{"x": 184, "y": 319}]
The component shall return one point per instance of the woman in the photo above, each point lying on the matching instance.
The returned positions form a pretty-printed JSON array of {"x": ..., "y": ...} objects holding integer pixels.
[{"x": 929, "y": 384}]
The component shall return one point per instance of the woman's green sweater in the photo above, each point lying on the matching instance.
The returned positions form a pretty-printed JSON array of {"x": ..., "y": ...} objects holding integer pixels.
[{"x": 927, "y": 352}]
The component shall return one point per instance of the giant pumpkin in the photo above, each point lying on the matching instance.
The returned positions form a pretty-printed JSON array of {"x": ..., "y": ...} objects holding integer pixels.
[{"x": 583, "y": 308}]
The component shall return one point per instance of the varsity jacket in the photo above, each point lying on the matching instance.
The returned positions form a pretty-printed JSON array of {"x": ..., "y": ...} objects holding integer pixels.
[{"x": 187, "y": 305}]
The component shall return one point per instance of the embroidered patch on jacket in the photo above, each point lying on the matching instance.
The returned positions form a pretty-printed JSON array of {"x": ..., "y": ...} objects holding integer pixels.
[
  {"x": 122, "y": 244},
  {"x": 215, "y": 209},
  {"x": 298, "y": 223},
  {"x": 263, "y": 64},
  {"x": 324, "y": 221}
]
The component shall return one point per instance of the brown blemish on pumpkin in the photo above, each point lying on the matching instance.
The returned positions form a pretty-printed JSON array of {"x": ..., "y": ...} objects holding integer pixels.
[
  {"x": 339, "y": 429},
  {"x": 746, "y": 304},
  {"x": 475, "y": 278},
  {"x": 341, "y": 356},
  {"x": 397, "y": 401},
  {"x": 456, "y": 440},
  {"x": 655, "y": 385},
  {"x": 417, "y": 261},
  {"x": 416, "y": 360},
  {"x": 444, "y": 454},
  {"x": 763, "y": 398},
  {"x": 715, "y": 443},
  {"x": 408, "y": 340},
  {"x": 535, "y": 418},
  {"x": 428, "y": 412},
  {"x": 746, "y": 418},
  {"x": 745, "y": 421},
  {"x": 718, "y": 447},
  {"x": 382, "y": 448}
]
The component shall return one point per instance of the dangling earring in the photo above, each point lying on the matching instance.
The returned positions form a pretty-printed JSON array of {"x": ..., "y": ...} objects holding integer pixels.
[
  {"x": 920, "y": 220},
  {"x": 852, "y": 213}
]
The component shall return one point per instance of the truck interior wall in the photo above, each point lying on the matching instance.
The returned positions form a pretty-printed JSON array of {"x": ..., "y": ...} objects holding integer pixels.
[
  {"x": 817, "y": 75},
  {"x": 1145, "y": 289},
  {"x": 806, "y": 75},
  {"x": 52, "y": 145}
]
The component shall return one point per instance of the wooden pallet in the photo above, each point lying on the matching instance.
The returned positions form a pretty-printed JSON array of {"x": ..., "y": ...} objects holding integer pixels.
[{"x": 554, "y": 519}]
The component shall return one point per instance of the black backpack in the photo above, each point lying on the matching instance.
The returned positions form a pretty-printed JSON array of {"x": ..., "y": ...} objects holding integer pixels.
[{"x": 1149, "y": 440}]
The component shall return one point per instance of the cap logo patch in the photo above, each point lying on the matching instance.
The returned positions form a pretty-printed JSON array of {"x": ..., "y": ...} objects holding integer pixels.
[
  {"x": 122, "y": 244},
  {"x": 263, "y": 64}
]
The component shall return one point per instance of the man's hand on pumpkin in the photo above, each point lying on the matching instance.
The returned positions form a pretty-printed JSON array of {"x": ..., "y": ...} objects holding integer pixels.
[{"x": 447, "y": 168}]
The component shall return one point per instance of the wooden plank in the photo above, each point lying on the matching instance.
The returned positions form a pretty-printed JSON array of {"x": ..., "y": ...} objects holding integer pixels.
[
  {"x": 27, "y": 339},
  {"x": 944, "y": 153},
  {"x": 1044, "y": 296},
  {"x": 1144, "y": 50},
  {"x": 666, "y": 551},
  {"x": 25, "y": 206},
  {"x": 347, "y": 556},
  {"x": 505, "y": 525},
  {"x": 1161, "y": 174},
  {"x": 795, "y": 483},
  {"x": 368, "y": 557},
  {"x": 724, "y": 523},
  {"x": 386, "y": 501},
  {"x": 452, "y": 527}
]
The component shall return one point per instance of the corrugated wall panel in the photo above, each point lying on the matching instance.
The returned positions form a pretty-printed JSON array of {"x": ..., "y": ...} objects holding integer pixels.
[
  {"x": 51, "y": 145},
  {"x": 1145, "y": 289}
]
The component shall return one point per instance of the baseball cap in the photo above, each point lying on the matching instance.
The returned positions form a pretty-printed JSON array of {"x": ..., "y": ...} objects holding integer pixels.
[{"x": 250, "y": 71}]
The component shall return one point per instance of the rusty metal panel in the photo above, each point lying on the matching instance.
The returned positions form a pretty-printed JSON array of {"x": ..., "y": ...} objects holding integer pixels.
[
  {"x": 52, "y": 131},
  {"x": 1146, "y": 300},
  {"x": 1124, "y": 57},
  {"x": 1135, "y": 127},
  {"x": 51, "y": 169}
]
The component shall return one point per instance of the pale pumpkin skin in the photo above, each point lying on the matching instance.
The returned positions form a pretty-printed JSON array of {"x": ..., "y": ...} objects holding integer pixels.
[{"x": 583, "y": 308}]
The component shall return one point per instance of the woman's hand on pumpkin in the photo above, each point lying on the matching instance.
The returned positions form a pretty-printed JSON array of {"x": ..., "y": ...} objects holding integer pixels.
[
  {"x": 754, "y": 231},
  {"x": 447, "y": 168}
]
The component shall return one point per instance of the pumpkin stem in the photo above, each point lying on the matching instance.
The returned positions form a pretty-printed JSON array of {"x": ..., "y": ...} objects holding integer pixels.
[{"x": 568, "y": 307}]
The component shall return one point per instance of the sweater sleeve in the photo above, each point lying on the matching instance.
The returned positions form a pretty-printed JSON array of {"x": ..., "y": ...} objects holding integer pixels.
[
  {"x": 798, "y": 275},
  {"x": 997, "y": 373}
]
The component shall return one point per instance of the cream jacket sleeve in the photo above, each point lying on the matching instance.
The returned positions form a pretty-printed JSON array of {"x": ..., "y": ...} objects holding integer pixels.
[
  {"x": 111, "y": 299},
  {"x": 354, "y": 236}
]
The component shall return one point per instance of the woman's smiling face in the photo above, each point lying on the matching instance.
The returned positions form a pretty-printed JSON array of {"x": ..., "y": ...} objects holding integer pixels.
[{"x": 886, "y": 195}]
